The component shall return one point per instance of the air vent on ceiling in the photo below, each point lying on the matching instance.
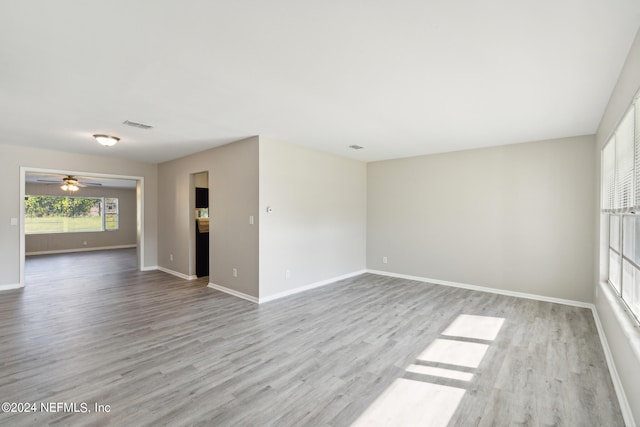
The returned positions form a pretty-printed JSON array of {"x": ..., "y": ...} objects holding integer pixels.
[
  {"x": 356, "y": 147},
  {"x": 136, "y": 124}
]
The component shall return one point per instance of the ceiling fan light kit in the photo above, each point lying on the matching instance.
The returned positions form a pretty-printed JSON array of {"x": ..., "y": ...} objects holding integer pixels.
[
  {"x": 70, "y": 187},
  {"x": 70, "y": 184},
  {"x": 106, "y": 140}
]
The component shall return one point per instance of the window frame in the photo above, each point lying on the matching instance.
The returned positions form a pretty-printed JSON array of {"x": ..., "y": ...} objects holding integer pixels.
[
  {"x": 620, "y": 197},
  {"x": 105, "y": 213},
  {"x": 623, "y": 257},
  {"x": 617, "y": 252}
]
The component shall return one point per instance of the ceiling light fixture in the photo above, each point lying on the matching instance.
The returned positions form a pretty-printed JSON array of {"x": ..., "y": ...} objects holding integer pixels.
[
  {"x": 70, "y": 187},
  {"x": 70, "y": 184},
  {"x": 106, "y": 140}
]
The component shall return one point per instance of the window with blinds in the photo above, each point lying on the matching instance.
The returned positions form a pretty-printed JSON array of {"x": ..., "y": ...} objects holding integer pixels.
[
  {"x": 621, "y": 167},
  {"x": 609, "y": 175},
  {"x": 621, "y": 203},
  {"x": 625, "y": 162}
]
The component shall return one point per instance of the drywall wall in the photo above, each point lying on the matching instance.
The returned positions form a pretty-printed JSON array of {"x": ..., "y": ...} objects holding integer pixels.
[
  {"x": 125, "y": 235},
  {"x": 233, "y": 197},
  {"x": 317, "y": 227},
  {"x": 12, "y": 157},
  {"x": 621, "y": 333},
  {"x": 201, "y": 180},
  {"x": 516, "y": 218}
]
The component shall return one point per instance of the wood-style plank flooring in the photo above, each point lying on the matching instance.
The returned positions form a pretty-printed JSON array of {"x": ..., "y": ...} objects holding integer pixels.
[{"x": 369, "y": 350}]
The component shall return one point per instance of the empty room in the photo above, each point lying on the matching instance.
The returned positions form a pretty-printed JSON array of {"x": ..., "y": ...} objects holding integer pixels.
[{"x": 335, "y": 214}]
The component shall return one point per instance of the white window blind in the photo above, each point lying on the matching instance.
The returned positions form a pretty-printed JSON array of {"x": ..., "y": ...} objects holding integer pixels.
[
  {"x": 621, "y": 166},
  {"x": 636, "y": 109},
  {"x": 625, "y": 162},
  {"x": 609, "y": 175}
]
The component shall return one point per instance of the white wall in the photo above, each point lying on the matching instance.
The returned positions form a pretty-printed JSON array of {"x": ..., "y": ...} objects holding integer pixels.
[
  {"x": 516, "y": 218},
  {"x": 233, "y": 197},
  {"x": 621, "y": 333},
  {"x": 12, "y": 157},
  {"x": 125, "y": 235},
  {"x": 317, "y": 229}
]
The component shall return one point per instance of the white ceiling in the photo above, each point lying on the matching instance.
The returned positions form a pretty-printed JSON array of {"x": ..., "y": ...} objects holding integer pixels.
[{"x": 400, "y": 78}]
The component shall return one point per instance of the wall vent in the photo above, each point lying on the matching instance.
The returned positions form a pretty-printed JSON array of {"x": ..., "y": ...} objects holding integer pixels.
[{"x": 136, "y": 124}]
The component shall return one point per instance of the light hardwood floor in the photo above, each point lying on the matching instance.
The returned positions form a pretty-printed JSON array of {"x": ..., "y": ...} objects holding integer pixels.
[{"x": 163, "y": 351}]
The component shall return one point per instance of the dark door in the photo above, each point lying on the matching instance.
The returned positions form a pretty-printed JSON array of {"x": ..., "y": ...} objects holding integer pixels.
[{"x": 202, "y": 234}]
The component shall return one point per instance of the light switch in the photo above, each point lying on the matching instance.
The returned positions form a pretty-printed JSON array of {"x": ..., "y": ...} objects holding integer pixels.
[{"x": 14, "y": 221}]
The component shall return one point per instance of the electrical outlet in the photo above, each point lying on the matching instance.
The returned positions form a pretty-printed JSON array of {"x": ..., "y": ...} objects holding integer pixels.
[
  {"x": 235, "y": 272},
  {"x": 287, "y": 274},
  {"x": 384, "y": 260},
  {"x": 251, "y": 220},
  {"x": 84, "y": 243},
  {"x": 170, "y": 257}
]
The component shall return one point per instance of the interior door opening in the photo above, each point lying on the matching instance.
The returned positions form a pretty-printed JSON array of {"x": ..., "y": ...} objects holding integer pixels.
[
  {"x": 65, "y": 211},
  {"x": 202, "y": 223}
]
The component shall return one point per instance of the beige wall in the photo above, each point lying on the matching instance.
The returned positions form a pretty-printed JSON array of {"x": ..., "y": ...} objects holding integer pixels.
[
  {"x": 12, "y": 157},
  {"x": 201, "y": 180},
  {"x": 317, "y": 228},
  {"x": 621, "y": 332},
  {"x": 124, "y": 236},
  {"x": 233, "y": 197},
  {"x": 516, "y": 218}
]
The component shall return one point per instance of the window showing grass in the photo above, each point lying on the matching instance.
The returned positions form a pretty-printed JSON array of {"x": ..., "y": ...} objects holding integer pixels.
[{"x": 63, "y": 214}]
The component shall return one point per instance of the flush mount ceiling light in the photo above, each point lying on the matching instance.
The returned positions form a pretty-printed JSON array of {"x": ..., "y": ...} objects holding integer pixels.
[{"x": 106, "y": 140}]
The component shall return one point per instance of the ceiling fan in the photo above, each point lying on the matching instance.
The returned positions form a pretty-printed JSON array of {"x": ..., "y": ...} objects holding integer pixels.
[{"x": 71, "y": 183}]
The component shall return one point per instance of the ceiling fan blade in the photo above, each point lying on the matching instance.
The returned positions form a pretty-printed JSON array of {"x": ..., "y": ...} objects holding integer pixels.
[{"x": 70, "y": 179}]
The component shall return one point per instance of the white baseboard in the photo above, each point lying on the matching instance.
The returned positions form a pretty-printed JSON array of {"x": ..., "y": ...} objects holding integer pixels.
[
  {"x": 11, "y": 286},
  {"x": 177, "y": 273},
  {"x": 66, "y": 251},
  {"x": 485, "y": 289},
  {"x": 310, "y": 286},
  {"x": 615, "y": 378},
  {"x": 150, "y": 268},
  {"x": 233, "y": 292}
]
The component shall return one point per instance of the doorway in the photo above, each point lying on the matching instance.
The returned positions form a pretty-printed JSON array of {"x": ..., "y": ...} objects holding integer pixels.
[
  {"x": 200, "y": 192},
  {"x": 47, "y": 182}
]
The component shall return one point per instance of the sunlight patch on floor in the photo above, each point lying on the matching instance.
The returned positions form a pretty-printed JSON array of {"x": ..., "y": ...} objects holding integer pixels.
[
  {"x": 419, "y": 401},
  {"x": 412, "y": 403},
  {"x": 478, "y": 327},
  {"x": 440, "y": 372},
  {"x": 454, "y": 353}
]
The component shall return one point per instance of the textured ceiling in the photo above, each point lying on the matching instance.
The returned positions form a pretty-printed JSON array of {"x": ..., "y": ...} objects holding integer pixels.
[{"x": 399, "y": 78}]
